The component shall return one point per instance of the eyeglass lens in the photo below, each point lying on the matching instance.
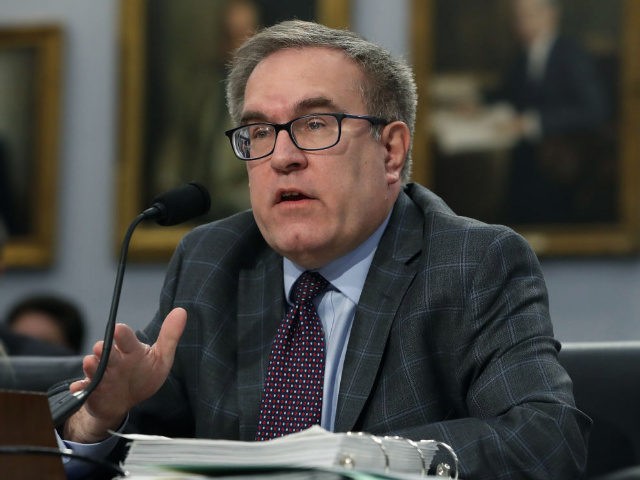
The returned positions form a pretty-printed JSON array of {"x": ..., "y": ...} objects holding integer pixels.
[{"x": 312, "y": 132}]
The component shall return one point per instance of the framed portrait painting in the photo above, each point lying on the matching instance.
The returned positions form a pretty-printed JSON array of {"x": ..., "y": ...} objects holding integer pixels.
[
  {"x": 530, "y": 113},
  {"x": 173, "y": 111},
  {"x": 30, "y": 62}
]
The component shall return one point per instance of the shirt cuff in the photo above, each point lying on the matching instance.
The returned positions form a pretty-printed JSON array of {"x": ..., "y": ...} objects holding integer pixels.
[{"x": 76, "y": 468}]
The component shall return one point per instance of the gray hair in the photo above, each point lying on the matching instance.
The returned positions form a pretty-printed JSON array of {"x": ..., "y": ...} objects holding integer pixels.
[{"x": 389, "y": 91}]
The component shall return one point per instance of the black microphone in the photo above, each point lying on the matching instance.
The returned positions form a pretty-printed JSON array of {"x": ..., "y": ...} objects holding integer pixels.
[
  {"x": 170, "y": 208},
  {"x": 179, "y": 205}
]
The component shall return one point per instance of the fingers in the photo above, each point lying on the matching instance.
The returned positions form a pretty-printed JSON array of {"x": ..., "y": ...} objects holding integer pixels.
[
  {"x": 89, "y": 367},
  {"x": 170, "y": 334},
  {"x": 97, "y": 348},
  {"x": 79, "y": 385},
  {"x": 126, "y": 343},
  {"x": 126, "y": 339}
]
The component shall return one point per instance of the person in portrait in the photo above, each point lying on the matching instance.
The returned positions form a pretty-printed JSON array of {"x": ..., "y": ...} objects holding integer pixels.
[
  {"x": 194, "y": 67},
  {"x": 560, "y": 106}
]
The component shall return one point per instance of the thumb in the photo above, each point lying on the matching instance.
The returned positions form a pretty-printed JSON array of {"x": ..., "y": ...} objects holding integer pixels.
[{"x": 170, "y": 333}]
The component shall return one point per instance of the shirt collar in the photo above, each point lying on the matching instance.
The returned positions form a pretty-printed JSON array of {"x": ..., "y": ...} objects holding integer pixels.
[{"x": 346, "y": 273}]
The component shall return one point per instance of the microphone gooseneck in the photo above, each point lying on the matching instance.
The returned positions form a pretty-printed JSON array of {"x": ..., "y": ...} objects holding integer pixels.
[{"x": 170, "y": 208}]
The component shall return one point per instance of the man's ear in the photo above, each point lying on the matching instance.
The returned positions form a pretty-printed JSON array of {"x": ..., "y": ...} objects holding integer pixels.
[{"x": 396, "y": 139}]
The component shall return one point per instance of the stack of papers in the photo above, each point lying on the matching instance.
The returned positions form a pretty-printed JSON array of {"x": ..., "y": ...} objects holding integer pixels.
[{"x": 352, "y": 455}]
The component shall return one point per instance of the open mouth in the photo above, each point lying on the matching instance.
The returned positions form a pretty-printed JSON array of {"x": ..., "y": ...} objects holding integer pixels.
[{"x": 292, "y": 196}]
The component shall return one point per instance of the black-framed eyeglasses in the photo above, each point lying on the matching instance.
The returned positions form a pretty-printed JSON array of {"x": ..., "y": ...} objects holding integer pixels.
[{"x": 316, "y": 131}]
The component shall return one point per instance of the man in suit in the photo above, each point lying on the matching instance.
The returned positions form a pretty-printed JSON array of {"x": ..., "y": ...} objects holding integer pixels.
[
  {"x": 560, "y": 104},
  {"x": 435, "y": 326}
]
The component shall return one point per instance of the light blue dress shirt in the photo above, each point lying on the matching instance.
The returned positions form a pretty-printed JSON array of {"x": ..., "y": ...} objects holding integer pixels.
[{"x": 336, "y": 309}]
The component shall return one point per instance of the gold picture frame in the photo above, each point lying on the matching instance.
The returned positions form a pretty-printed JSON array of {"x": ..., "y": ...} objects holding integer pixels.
[
  {"x": 148, "y": 153},
  {"x": 30, "y": 61},
  {"x": 612, "y": 30}
]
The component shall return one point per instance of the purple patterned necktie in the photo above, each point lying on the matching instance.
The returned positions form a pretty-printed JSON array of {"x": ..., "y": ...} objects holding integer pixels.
[{"x": 292, "y": 396}]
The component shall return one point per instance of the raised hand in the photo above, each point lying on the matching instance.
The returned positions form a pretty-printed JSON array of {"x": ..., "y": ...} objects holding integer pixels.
[{"x": 135, "y": 372}]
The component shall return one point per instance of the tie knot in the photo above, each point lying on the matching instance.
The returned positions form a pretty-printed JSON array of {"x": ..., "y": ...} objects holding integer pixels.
[{"x": 308, "y": 286}]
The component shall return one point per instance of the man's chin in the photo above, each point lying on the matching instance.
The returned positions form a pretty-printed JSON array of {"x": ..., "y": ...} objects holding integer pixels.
[{"x": 308, "y": 253}]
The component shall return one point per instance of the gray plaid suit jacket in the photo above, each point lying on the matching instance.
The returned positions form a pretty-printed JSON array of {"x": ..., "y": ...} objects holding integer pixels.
[{"x": 451, "y": 341}]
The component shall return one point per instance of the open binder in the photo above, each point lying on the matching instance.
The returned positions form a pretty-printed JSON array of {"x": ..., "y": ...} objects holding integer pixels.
[{"x": 349, "y": 455}]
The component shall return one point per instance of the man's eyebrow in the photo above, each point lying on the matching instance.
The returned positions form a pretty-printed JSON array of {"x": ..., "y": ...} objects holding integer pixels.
[
  {"x": 302, "y": 107},
  {"x": 314, "y": 102},
  {"x": 252, "y": 116}
]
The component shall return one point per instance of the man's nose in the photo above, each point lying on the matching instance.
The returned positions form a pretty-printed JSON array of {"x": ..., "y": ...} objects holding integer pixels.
[{"x": 286, "y": 155}]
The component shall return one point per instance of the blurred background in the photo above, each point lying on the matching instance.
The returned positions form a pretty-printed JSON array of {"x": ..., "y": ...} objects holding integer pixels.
[{"x": 593, "y": 297}]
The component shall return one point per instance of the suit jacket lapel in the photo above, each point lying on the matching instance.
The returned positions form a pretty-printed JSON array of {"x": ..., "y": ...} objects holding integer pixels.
[
  {"x": 260, "y": 310},
  {"x": 388, "y": 279}
]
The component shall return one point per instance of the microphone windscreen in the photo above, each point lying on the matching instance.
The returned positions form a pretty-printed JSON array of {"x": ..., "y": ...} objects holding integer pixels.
[{"x": 181, "y": 204}]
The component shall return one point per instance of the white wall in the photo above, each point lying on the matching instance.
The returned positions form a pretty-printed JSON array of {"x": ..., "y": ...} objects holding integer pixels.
[{"x": 590, "y": 299}]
